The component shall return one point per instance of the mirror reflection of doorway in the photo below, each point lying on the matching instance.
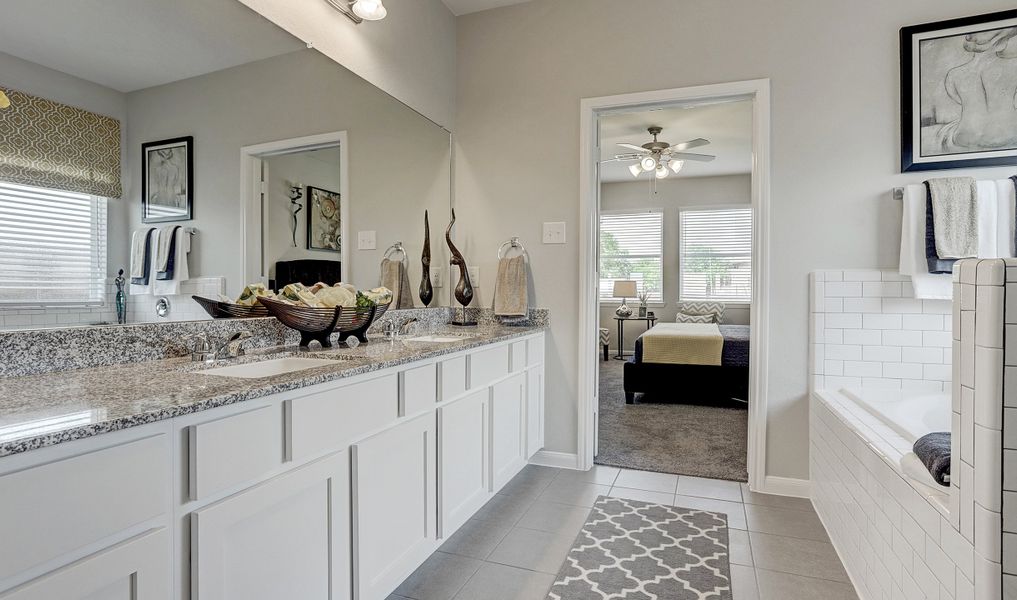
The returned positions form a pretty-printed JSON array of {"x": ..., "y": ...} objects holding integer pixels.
[{"x": 675, "y": 291}]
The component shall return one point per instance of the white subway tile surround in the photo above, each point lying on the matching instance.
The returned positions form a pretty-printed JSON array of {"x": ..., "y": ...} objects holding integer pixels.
[
  {"x": 896, "y": 542},
  {"x": 140, "y": 309},
  {"x": 870, "y": 331}
]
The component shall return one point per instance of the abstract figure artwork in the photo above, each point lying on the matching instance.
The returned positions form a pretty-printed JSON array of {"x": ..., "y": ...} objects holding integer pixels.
[
  {"x": 464, "y": 289},
  {"x": 959, "y": 93},
  {"x": 426, "y": 291}
]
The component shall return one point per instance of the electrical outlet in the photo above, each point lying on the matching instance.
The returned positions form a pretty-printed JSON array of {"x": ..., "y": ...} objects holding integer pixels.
[
  {"x": 436, "y": 279},
  {"x": 367, "y": 240},
  {"x": 554, "y": 233}
]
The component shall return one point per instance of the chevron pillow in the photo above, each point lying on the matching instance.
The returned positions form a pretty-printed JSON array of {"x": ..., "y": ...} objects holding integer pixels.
[{"x": 716, "y": 309}]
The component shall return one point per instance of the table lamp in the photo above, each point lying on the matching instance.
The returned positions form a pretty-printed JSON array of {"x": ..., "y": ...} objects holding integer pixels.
[{"x": 624, "y": 289}]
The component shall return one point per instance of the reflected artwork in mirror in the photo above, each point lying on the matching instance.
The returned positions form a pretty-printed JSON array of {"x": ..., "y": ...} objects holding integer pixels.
[{"x": 215, "y": 121}]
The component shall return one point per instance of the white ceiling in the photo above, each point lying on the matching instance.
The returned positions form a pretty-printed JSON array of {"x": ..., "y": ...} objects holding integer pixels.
[
  {"x": 728, "y": 126},
  {"x": 129, "y": 45},
  {"x": 462, "y": 7}
]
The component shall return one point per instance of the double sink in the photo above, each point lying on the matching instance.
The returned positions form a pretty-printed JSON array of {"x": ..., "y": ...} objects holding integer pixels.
[{"x": 291, "y": 364}]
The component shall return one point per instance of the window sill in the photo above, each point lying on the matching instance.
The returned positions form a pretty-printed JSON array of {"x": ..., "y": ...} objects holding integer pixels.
[
  {"x": 726, "y": 304},
  {"x": 633, "y": 304}
]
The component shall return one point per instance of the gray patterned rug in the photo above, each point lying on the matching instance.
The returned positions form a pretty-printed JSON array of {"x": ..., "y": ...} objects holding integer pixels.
[{"x": 640, "y": 551}]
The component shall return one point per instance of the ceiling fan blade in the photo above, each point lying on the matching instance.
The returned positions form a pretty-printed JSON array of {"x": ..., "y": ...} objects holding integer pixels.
[
  {"x": 634, "y": 147},
  {"x": 692, "y": 157},
  {"x": 689, "y": 145},
  {"x": 628, "y": 156}
]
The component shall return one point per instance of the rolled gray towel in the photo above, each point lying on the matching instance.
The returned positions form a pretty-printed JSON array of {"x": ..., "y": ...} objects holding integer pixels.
[{"x": 934, "y": 451}]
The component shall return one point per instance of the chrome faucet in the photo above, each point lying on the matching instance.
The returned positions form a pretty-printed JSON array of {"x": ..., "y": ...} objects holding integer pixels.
[
  {"x": 391, "y": 332},
  {"x": 204, "y": 350},
  {"x": 234, "y": 345},
  {"x": 404, "y": 329}
]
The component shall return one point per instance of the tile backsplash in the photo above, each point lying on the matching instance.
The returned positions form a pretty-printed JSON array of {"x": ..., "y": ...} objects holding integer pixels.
[{"x": 866, "y": 329}]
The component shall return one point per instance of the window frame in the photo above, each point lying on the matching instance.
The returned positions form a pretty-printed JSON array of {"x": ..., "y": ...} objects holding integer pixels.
[
  {"x": 100, "y": 237},
  {"x": 661, "y": 212},
  {"x": 752, "y": 259}
]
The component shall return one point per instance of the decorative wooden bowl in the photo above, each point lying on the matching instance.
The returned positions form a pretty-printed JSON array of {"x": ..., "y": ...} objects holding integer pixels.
[
  {"x": 320, "y": 323},
  {"x": 227, "y": 310}
]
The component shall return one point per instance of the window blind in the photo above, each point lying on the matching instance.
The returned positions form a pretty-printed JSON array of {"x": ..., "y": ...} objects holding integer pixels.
[
  {"x": 716, "y": 254},
  {"x": 52, "y": 247},
  {"x": 632, "y": 247}
]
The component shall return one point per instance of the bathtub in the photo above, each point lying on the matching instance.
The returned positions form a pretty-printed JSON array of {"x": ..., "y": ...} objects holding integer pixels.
[{"x": 911, "y": 414}]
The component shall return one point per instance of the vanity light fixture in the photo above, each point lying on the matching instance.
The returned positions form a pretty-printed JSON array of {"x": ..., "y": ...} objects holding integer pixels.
[{"x": 359, "y": 11}]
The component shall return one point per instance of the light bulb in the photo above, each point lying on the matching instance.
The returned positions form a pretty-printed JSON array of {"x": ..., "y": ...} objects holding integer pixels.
[
  {"x": 370, "y": 10},
  {"x": 648, "y": 163},
  {"x": 676, "y": 165},
  {"x": 661, "y": 172},
  {"x": 636, "y": 170}
]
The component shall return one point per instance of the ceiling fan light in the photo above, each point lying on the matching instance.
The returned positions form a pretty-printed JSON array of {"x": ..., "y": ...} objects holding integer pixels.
[
  {"x": 648, "y": 163},
  {"x": 370, "y": 10},
  {"x": 661, "y": 172},
  {"x": 636, "y": 170},
  {"x": 676, "y": 165}
]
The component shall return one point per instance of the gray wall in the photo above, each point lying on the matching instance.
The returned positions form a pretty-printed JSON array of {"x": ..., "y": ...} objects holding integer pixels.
[
  {"x": 53, "y": 85},
  {"x": 672, "y": 195},
  {"x": 399, "y": 161},
  {"x": 835, "y": 149}
]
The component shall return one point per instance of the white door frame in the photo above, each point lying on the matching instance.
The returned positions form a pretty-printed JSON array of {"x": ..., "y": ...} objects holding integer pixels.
[
  {"x": 757, "y": 90},
  {"x": 250, "y": 194}
]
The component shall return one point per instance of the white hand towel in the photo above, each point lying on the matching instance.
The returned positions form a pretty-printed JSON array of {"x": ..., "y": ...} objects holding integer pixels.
[
  {"x": 988, "y": 220},
  {"x": 912, "y": 249},
  {"x": 182, "y": 247},
  {"x": 139, "y": 245},
  {"x": 137, "y": 289},
  {"x": 1006, "y": 201},
  {"x": 165, "y": 243},
  {"x": 955, "y": 214}
]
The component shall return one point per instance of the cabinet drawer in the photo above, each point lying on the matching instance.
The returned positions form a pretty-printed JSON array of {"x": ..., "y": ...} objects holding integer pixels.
[
  {"x": 452, "y": 378},
  {"x": 517, "y": 356},
  {"x": 418, "y": 390},
  {"x": 535, "y": 351},
  {"x": 233, "y": 450},
  {"x": 488, "y": 365},
  {"x": 70, "y": 503},
  {"x": 328, "y": 421}
]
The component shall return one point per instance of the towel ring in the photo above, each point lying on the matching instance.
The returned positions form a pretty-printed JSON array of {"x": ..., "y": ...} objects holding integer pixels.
[
  {"x": 396, "y": 248},
  {"x": 510, "y": 244}
]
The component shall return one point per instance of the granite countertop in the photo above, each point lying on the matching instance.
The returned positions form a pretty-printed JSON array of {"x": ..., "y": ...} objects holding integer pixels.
[{"x": 47, "y": 409}]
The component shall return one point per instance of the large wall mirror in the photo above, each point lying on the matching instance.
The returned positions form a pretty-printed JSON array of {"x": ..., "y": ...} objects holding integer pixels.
[{"x": 275, "y": 162}]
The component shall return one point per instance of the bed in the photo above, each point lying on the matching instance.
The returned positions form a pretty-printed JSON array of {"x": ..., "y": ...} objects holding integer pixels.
[{"x": 694, "y": 383}]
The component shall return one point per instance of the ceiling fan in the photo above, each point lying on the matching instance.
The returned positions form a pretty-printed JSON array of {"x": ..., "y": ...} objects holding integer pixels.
[{"x": 661, "y": 157}]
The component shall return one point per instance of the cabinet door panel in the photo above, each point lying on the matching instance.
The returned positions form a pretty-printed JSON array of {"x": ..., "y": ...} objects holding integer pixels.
[
  {"x": 285, "y": 538},
  {"x": 394, "y": 505},
  {"x": 137, "y": 569},
  {"x": 534, "y": 410},
  {"x": 462, "y": 464},
  {"x": 508, "y": 429}
]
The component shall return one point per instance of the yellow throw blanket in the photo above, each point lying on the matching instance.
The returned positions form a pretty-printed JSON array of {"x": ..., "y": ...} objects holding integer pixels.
[{"x": 683, "y": 344}]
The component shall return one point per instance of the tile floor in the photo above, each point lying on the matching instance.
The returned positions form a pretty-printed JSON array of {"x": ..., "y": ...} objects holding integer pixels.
[{"x": 513, "y": 547}]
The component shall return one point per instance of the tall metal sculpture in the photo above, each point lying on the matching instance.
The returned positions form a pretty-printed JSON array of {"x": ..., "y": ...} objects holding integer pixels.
[{"x": 464, "y": 289}]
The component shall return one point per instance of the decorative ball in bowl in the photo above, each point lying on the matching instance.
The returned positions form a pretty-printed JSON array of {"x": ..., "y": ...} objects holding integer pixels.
[{"x": 318, "y": 324}]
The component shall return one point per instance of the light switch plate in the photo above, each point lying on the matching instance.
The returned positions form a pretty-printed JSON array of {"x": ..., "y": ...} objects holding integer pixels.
[
  {"x": 554, "y": 233},
  {"x": 367, "y": 240}
]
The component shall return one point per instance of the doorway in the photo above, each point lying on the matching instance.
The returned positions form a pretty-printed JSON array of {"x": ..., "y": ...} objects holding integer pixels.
[{"x": 639, "y": 234}]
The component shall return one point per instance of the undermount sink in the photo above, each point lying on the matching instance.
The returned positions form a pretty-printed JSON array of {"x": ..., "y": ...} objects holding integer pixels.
[
  {"x": 269, "y": 368},
  {"x": 444, "y": 338}
]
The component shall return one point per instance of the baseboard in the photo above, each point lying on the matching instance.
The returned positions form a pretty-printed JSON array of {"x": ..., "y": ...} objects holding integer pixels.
[
  {"x": 561, "y": 460},
  {"x": 785, "y": 486}
]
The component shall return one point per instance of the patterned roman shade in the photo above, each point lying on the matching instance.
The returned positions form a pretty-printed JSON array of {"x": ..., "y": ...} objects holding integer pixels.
[{"x": 51, "y": 145}]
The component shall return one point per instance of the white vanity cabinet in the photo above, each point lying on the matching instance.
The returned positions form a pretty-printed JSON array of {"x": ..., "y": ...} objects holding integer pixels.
[
  {"x": 288, "y": 537},
  {"x": 394, "y": 505},
  {"x": 336, "y": 491}
]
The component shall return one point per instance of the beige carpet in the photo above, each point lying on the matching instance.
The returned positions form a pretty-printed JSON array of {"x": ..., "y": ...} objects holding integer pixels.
[{"x": 655, "y": 435}]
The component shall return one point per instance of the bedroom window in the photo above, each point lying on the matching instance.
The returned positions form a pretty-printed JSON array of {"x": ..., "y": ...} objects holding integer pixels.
[
  {"x": 52, "y": 247},
  {"x": 632, "y": 247},
  {"x": 716, "y": 254}
]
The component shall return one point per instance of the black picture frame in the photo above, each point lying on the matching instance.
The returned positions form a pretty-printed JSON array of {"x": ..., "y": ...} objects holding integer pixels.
[
  {"x": 168, "y": 209},
  {"x": 314, "y": 216},
  {"x": 910, "y": 68}
]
